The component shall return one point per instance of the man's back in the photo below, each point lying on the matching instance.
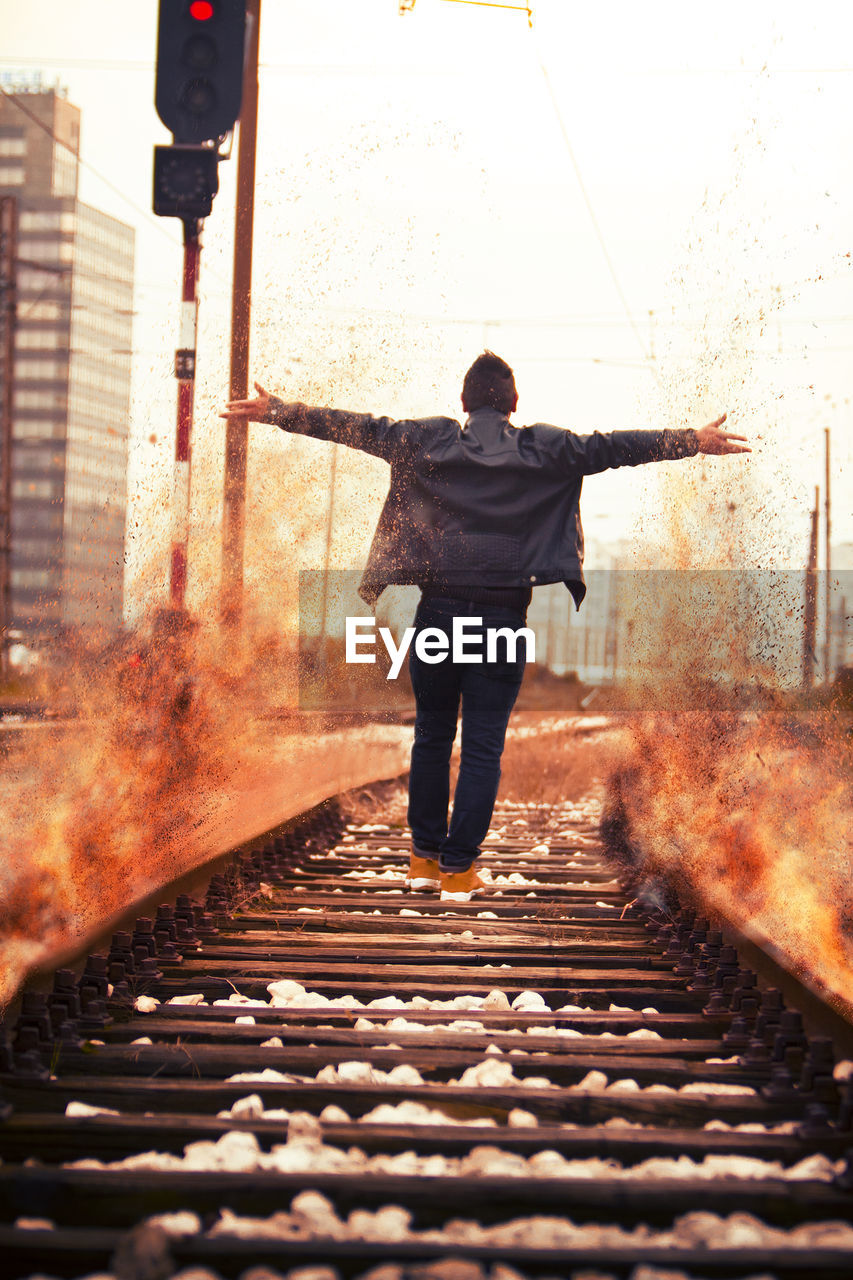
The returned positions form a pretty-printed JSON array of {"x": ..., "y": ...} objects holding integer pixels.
[{"x": 476, "y": 514}]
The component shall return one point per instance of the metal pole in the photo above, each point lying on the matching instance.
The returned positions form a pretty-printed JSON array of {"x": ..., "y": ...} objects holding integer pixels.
[
  {"x": 237, "y": 431},
  {"x": 841, "y": 649},
  {"x": 549, "y": 631},
  {"x": 8, "y": 299},
  {"x": 828, "y": 607},
  {"x": 585, "y": 648},
  {"x": 567, "y": 637},
  {"x": 605, "y": 633},
  {"x": 185, "y": 374},
  {"x": 810, "y": 611},
  {"x": 330, "y": 524}
]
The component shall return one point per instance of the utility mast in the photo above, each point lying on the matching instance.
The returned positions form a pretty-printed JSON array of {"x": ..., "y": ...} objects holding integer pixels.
[
  {"x": 237, "y": 430},
  {"x": 810, "y": 611},
  {"x": 8, "y": 258},
  {"x": 198, "y": 93},
  {"x": 828, "y": 586}
]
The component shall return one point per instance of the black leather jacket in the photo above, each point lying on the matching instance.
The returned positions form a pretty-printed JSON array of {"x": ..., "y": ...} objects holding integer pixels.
[{"x": 485, "y": 503}]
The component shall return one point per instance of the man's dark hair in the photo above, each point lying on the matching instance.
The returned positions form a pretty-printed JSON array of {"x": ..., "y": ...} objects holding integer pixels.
[{"x": 489, "y": 383}]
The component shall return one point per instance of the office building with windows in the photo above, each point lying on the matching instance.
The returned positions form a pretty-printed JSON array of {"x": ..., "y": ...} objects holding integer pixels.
[{"x": 70, "y": 375}]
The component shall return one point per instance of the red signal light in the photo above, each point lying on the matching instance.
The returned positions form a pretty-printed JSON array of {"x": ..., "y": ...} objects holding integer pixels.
[{"x": 201, "y": 10}]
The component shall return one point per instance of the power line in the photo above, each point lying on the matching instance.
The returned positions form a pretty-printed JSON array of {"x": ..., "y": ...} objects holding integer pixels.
[
  {"x": 13, "y": 98},
  {"x": 89, "y": 64},
  {"x": 278, "y": 68},
  {"x": 138, "y": 64},
  {"x": 148, "y": 216},
  {"x": 595, "y": 223}
]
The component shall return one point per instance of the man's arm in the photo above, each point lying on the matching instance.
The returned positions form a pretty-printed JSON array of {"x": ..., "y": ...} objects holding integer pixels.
[
  {"x": 378, "y": 436},
  {"x": 601, "y": 451}
]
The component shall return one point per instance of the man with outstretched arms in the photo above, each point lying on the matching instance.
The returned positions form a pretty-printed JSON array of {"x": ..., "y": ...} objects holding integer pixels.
[{"x": 477, "y": 514}]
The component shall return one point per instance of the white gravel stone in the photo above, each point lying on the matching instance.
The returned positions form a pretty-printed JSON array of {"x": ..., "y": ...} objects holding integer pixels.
[
  {"x": 385, "y": 1226},
  {"x": 592, "y": 1082},
  {"x": 519, "y": 1119},
  {"x": 86, "y": 1109},
  {"x": 249, "y": 1108},
  {"x": 404, "y": 1076},
  {"x": 492, "y": 1074},
  {"x": 304, "y": 1127},
  {"x": 181, "y": 1223},
  {"x": 267, "y": 1076},
  {"x": 237, "y": 997},
  {"x": 718, "y": 1090},
  {"x": 527, "y": 1001},
  {"x": 493, "y": 1162},
  {"x": 334, "y": 1115},
  {"x": 236, "y": 1152},
  {"x": 146, "y": 1004},
  {"x": 283, "y": 991}
]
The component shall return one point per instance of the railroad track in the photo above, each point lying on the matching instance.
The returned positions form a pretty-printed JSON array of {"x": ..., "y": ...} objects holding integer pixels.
[{"x": 313, "y": 1068}]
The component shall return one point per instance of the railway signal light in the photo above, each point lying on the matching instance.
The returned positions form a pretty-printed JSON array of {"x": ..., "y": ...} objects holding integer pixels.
[
  {"x": 200, "y": 45},
  {"x": 185, "y": 180}
]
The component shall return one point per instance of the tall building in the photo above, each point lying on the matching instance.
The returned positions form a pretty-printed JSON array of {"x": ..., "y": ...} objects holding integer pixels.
[{"x": 71, "y": 375}]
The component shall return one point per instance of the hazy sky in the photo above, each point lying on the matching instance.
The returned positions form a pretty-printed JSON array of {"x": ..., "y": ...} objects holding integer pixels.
[{"x": 646, "y": 209}]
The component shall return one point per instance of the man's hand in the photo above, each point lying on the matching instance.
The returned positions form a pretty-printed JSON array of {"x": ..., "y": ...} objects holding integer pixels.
[
  {"x": 712, "y": 440},
  {"x": 252, "y": 410}
]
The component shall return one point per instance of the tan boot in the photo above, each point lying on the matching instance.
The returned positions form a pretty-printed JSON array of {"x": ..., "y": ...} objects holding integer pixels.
[
  {"x": 424, "y": 876},
  {"x": 461, "y": 886}
]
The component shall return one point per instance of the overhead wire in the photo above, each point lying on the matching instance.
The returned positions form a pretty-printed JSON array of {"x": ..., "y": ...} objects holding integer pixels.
[
  {"x": 611, "y": 266},
  {"x": 147, "y": 64},
  {"x": 564, "y": 131},
  {"x": 146, "y": 214},
  {"x": 149, "y": 217}
]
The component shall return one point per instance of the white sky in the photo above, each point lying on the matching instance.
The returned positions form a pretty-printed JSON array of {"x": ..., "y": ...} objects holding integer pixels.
[{"x": 438, "y": 181}]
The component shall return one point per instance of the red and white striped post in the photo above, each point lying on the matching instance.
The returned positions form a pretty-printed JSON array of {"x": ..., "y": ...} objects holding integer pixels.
[{"x": 185, "y": 373}]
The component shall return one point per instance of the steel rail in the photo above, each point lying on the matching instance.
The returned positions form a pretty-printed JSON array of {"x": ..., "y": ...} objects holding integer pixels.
[{"x": 614, "y": 1028}]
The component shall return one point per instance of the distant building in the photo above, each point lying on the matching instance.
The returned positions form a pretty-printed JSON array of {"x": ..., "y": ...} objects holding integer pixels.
[
  {"x": 842, "y": 557},
  {"x": 71, "y": 376}
]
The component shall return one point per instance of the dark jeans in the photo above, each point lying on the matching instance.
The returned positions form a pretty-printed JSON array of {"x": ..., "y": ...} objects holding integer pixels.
[{"x": 488, "y": 691}]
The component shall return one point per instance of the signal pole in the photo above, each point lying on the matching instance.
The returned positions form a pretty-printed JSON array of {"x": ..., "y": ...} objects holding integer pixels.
[
  {"x": 185, "y": 373},
  {"x": 237, "y": 431},
  {"x": 828, "y": 589},
  {"x": 810, "y": 612},
  {"x": 197, "y": 95},
  {"x": 8, "y": 276}
]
